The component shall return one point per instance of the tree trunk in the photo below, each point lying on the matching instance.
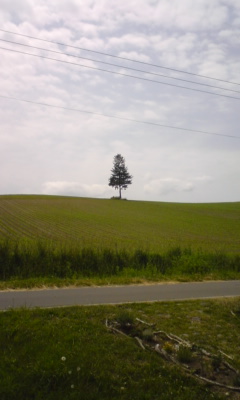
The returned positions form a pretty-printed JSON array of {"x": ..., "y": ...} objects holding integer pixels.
[{"x": 120, "y": 194}]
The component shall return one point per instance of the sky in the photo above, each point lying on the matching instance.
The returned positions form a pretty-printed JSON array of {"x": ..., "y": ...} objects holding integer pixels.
[{"x": 174, "y": 117}]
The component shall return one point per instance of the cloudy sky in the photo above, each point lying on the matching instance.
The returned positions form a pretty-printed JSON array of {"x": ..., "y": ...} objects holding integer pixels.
[{"x": 183, "y": 66}]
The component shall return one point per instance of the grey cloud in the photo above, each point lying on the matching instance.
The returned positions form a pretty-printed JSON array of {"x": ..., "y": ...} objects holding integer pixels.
[{"x": 204, "y": 178}]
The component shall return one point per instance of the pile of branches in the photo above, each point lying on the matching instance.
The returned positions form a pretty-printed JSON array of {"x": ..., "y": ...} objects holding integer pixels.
[{"x": 213, "y": 369}]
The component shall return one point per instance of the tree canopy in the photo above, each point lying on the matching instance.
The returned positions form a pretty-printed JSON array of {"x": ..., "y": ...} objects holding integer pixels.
[{"x": 120, "y": 178}]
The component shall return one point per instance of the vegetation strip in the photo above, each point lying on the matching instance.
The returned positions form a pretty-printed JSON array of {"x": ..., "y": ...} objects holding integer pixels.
[{"x": 27, "y": 261}]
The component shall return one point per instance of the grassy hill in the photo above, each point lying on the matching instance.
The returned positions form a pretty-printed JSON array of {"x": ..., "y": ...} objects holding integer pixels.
[
  {"x": 152, "y": 226},
  {"x": 81, "y": 238}
]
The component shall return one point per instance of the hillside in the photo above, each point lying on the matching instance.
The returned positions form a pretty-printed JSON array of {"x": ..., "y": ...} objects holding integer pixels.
[{"x": 133, "y": 225}]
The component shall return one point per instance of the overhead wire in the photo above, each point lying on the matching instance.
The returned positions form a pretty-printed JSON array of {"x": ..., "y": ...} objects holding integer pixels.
[
  {"x": 119, "y": 57},
  {"x": 119, "y": 66},
  {"x": 120, "y": 118},
  {"x": 121, "y": 74},
  {"x": 118, "y": 73}
]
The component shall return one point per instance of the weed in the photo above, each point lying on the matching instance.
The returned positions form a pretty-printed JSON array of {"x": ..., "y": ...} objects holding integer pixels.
[
  {"x": 168, "y": 347},
  {"x": 125, "y": 318},
  {"x": 184, "y": 354}
]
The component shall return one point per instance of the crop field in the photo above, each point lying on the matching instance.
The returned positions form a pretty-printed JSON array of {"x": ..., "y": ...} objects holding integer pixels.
[
  {"x": 75, "y": 238},
  {"x": 114, "y": 224}
]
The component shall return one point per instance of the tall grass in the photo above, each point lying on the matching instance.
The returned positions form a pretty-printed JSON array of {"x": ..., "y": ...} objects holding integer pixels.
[{"x": 41, "y": 259}]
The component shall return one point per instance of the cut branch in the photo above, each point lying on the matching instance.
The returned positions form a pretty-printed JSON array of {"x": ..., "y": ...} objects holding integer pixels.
[
  {"x": 144, "y": 322},
  {"x": 115, "y": 330},
  {"x": 226, "y": 355},
  {"x": 140, "y": 342},
  {"x": 234, "y": 388},
  {"x": 175, "y": 338}
]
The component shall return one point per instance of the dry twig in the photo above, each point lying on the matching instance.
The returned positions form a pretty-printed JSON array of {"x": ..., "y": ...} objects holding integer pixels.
[
  {"x": 115, "y": 330},
  {"x": 234, "y": 388},
  {"x": 144, "y": 322},
  {"x": 176, "y": 338},
  {"x": 140, "y": 342},
  {"x": 226, "y": 355}
]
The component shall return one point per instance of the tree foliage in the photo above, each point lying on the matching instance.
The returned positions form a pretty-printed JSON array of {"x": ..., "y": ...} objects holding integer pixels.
[{"x": 120, "y": 178}]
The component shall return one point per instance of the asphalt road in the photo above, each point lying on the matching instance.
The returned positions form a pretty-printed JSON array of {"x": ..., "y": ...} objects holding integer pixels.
[{"x": 117, "y": 294}]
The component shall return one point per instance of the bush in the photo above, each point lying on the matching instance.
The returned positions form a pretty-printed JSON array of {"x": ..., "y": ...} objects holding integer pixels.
[
  {"x": 184, "y": 354},
  {"x": 125, "y": 318}
]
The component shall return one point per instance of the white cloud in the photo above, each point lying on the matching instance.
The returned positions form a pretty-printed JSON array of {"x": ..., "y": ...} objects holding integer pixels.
[
  {"x": 138, "y": 41},
  {"x": 74, "y": 189},
  {"x": 167, "y": 186},
  {"x": 133, "y": 55}
]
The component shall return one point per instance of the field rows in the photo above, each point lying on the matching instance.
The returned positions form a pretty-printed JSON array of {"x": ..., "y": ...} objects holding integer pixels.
[
  {"x": 28, "y": 220},
  {"x": 18, "y": 223},
  {"x": 125, "y": 224}
]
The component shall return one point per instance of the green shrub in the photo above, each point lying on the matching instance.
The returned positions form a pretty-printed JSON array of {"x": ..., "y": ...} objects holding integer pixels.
[
  {"x": 168, "y": 347},
  {"x": 184, "y": 354},
  {"x": 125, "y": 318}
]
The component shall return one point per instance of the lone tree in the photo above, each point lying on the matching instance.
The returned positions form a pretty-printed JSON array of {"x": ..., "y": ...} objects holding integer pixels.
[{"x": 120, "y": 178}]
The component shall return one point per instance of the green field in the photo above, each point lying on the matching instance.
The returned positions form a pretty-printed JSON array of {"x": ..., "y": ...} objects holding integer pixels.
[
  {"x": 87, "y": 241},
  {"x": 123, "y": 224}
]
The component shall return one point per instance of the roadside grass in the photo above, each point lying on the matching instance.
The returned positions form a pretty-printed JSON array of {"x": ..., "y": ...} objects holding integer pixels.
[
  {"x": 41, "y": 264},
  {"x": 129, "y": 278},
  {"x": 68, "y": 353}
]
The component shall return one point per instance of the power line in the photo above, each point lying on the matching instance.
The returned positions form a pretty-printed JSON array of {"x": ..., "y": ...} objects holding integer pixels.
[
  {"x": 121, "y": 58},
  {"x": 120, "y": 118},
  {"x": 121, "y": 74},
  {"x": 120, "y": 66}
]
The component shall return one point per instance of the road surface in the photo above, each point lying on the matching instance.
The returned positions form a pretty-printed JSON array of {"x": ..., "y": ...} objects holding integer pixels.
[{"x": 117, "y": 294}]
